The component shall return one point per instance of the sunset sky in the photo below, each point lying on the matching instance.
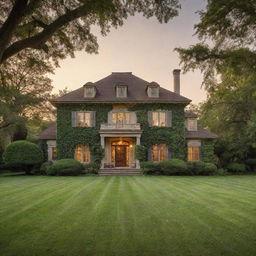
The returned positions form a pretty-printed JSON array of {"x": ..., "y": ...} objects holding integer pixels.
[{"x": 141, "y": 46}]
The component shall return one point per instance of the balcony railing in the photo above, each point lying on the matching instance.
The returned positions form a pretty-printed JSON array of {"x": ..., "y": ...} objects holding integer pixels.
[{"x": 107, "y": 126}]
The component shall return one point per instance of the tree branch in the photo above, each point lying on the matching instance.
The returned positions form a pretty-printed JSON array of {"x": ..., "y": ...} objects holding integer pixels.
[
  {"x": 38, "y": 41},
  {"x": 9, "y": 26}
]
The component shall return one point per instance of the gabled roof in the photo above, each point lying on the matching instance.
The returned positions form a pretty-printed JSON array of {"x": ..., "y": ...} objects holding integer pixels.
[
  {"x": 136, "y": 91},
  {"x": 50, "y": 133},
  {"x": 201, "y": 133}
]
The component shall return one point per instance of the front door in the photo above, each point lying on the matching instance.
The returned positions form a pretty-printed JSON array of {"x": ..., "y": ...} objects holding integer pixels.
[{"x": 120, "y": 156}]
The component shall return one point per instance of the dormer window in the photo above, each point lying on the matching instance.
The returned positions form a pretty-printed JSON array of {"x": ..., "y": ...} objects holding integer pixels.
[
  {"x": 89, "y": 90},
  {"x": 192, "y": 124},
  {"x": 153, "y": 90},
  {"x": 121, "y": 91}
]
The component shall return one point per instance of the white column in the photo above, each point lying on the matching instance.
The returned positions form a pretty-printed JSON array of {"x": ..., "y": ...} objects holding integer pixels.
[{"x": 137, "y": 143}]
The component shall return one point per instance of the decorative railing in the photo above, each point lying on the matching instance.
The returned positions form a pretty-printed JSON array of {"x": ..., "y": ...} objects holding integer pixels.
[{"x": 107, "y": 126}]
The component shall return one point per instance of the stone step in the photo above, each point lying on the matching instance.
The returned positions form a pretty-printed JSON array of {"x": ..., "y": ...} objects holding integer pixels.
[{"x": 119, "y": 172}]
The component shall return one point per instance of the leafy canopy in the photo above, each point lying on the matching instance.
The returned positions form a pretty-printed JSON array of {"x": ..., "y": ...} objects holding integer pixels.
[{"x": 59, "y": 28}]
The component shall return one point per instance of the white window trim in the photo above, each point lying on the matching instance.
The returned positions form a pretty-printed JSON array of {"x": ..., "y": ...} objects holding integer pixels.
[
  {"x": 158, "y": 113},
  {"x": 50, "y": 144},
  {"x": 89, "y": 87},
  {"x": 150, "y": 92}
]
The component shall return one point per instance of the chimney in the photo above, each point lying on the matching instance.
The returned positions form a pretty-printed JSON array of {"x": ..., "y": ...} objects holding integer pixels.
[{"x": 176, "y": 80}]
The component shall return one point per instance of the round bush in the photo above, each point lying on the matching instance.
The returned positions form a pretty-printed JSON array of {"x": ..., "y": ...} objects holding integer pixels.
[
  {"x": 65, "y": 167},
  {"x": 149, "y": 167},
  {"x": 236, "y": 167},
  {"x": 209, "y": 169},
  {"x": 195, "y": 167},
  {"x": 173, "y": 166},
  {"x": 23, "y": 154}
]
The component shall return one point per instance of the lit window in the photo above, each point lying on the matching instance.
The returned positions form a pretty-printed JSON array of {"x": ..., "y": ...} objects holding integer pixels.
[
  {"x": 193, "y": 153},
  {"x": 192, "y": 125},
  {"x": 121, "y": 118},
  {"x": 121, "y": 91},
  {"x": 159, "y": 118},
  {"x": 84, "y": 119},
  {"x": 82, "y": 153},
  {"x": 159, "y": 152},
  {"x": 54, "y": 153}
]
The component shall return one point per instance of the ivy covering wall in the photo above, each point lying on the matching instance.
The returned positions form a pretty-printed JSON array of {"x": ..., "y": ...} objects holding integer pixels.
[
  {"x": 172, "y": 136},
  {"x": 68, "y": 137},
  {"x": 207, "y": 148}
]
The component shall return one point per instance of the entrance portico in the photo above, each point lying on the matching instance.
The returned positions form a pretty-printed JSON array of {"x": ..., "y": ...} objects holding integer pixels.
[{"x": 120, "y": 149}]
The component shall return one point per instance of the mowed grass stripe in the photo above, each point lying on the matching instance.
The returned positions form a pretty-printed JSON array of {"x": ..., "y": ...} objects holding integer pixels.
[{"x": 150, "y": 216}]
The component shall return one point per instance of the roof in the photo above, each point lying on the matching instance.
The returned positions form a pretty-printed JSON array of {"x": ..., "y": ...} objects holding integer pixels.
[
  {"x": 49, "y": 133},
  {"x": 136, "y": 92},
  {"x": 190, "y": 114},
  {"x": 201, "y": 133}
]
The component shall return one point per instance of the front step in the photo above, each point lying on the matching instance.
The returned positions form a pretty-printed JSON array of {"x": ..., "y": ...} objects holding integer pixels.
[{"x": 119, "y": 172}]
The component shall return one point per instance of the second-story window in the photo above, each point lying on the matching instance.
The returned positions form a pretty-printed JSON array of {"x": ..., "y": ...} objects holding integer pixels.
[
  {"x": 120, "y": 117},
  {"x": 83, "y": 119},
  {"x": 192, "y": 124},
  {"x": 121, "y": 91}
]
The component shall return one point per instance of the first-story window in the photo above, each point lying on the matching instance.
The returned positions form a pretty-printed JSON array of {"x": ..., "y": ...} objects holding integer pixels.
[
  {"x": 82, "y": 154},
  {"x": 193, "y": 153},
  {"x": 54, "y": 153},
  {"x": 159, "y": 152}
]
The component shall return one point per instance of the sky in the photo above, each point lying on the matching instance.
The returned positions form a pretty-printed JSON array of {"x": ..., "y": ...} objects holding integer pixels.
[{"x": 141, "y": 46}]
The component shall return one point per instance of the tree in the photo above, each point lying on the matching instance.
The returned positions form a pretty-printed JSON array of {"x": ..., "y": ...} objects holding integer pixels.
[
  {"x": 229, "y": 67},
  {"x": 24, "y": 93},
  {"x": 59, "y": 28}
]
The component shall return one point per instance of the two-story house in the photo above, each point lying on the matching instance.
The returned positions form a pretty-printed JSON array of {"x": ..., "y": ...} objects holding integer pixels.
[{"x": 121, "y": 111}]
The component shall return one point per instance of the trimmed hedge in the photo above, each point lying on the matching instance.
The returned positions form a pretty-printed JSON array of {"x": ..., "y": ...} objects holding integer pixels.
[
  {"x": 91, "y": 168},
  {"x": 64, "y": 167},
  {"x": 23, "y": 155},
  {"x": 236, "y": 167},
  {"x": 173, "y": 166},
  {"x": 179, "y": 167}
]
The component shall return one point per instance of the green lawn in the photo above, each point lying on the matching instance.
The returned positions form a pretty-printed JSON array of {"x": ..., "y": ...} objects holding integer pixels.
[{"x": 83, "y": 216}]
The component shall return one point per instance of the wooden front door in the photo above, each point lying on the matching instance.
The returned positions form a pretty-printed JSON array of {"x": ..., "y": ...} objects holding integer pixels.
[{"x": 120, "y": 156}]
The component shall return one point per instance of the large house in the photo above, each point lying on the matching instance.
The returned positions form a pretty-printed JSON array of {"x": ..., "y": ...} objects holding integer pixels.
[{"x": 119, "y": 112}]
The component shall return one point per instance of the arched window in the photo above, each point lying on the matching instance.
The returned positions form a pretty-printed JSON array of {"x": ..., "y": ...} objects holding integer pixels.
[{"x": 82, "y": 153}]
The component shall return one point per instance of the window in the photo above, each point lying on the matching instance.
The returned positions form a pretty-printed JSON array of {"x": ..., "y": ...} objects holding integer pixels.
[
  {"x": 193, "y": 153},
  {"x": 159, "y": 152},
  {"x": 153, "y": 92},
  {"x": 83, "y": 119},
  {"x": 89, "y": 91},
  {"x": 121, "y": 91},
  {"x": 82, "y": 154},
  {"x": 54, "y": 153},
  {"x": 159, "y": 118},
  {"x": 192, "y": 124},
  {"x": 120, "y": 118}
]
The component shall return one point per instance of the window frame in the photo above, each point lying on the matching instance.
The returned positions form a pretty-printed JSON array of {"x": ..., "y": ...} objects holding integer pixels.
[
  {"x": 118, "y": 87},
  {"x": 159, "y": 150},
  {"x": 87, "y": 121},
  {"x": 93, "y": 92},
  {"x": 194, "y": 156},
  {"x": 192, "y": 124},
  {"x": 150, "y": 90},
  {"x": 85, "y": 153},
  {"x": 159, "y": 112}
]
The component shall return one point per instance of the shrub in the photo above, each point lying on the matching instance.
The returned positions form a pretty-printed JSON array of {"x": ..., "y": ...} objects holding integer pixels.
[
  {"x": 45, "y": 166},
  {"x": 173, "y": 166},
  {"x": 65, "y": 167},
  {"x": 140, "y": 152},
  {"x": 91, "y": 168},
  {"x": 251, "y": 163},
  {"x": 221, "y": 172},
  {"x": 195, "y": 167},
  {"x": 236, "y": 167},
  {"x": 201, "y": 168},
  {"x": 149, "y": 167},
  {"x": 23, "y": 154}
]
